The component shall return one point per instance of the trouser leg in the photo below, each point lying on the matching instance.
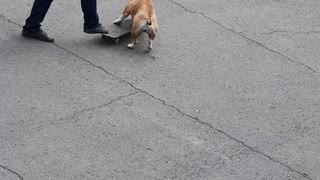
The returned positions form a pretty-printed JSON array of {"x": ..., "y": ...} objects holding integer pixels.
[
  {"x": 38, "y": 12},
  {"x": 89, "y": 9}
]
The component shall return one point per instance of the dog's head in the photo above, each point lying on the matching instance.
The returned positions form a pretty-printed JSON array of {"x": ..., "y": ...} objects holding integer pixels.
[{"x": 147, "y": 27}]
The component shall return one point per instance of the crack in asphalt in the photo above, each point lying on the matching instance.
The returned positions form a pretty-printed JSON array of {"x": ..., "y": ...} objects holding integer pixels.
[
  {"x": 229, "y": 136},
  {"x": 241, "y": 34},
  {"x": 94, "y": 108},
  {"x": 292, "y": 32},
  {"x": 194, "y": 118},
  {"x": 9, "y": 21},
  {"x": 12, "y": 171},
  {"x": 177, "y": 109}
]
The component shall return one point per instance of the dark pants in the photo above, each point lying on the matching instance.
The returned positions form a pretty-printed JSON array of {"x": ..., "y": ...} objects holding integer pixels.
[{"x": 40, "y": 9}]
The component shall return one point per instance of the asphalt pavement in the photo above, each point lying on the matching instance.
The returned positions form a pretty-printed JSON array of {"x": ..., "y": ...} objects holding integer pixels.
[{"x": 231, "y": 91}]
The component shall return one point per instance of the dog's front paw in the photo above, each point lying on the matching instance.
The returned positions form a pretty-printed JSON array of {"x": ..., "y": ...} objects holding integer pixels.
[
  {"x": 117, "y": 21},
  {"x": 130, "y": 46}
]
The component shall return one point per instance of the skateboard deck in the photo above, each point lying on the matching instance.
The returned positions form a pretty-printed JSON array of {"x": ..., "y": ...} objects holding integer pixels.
[{"x": 116, "y": 32}]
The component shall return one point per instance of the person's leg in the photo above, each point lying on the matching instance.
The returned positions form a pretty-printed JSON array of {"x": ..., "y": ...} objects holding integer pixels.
[
  {"x": 38, "y": 12},
  {"x": 91, "y": 18},
  {"x": 89, "y": 9},
  {"x": 33, "y": 23}
]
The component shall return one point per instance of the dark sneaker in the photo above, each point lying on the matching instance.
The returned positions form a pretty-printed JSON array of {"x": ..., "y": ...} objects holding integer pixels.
[
  {"x": 99, "y": 29},
  {"x": 41, "y": 35}
]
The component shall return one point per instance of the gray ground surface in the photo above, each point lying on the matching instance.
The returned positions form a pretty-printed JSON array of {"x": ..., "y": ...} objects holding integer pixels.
[{"x": 230, "y": 92}]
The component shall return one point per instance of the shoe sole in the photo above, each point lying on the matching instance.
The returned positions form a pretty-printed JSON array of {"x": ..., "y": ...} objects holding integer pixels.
[{"x": 33, "y": 37}]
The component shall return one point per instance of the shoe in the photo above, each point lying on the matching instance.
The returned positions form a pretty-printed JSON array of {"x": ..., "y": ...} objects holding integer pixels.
[
  {"x": 40, "y": 35},
  {"x": 99, "y": 29}
]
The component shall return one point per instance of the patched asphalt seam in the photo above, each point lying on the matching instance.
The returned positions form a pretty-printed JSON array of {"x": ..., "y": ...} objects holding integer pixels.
[
  {"x": 240, "y": 33},
  {"x": 178, "y": 110},
  {"x": 12, "y": 171}
]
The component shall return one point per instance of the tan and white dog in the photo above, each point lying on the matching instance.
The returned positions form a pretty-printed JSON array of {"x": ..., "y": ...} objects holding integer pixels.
[{"x": 143, "y": 20}]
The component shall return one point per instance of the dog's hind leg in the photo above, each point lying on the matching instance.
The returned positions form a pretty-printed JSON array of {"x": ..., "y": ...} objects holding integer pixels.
[
  {"x": 119, "y": 20},
  {"x": 125, "y": 14}
]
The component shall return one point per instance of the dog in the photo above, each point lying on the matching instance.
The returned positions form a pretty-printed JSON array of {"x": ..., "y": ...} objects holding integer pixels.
[{"x": 143, "y": 20}]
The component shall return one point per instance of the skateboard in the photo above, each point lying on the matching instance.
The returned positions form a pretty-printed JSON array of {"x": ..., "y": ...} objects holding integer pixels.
[{"x": 116, "y": 32}]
